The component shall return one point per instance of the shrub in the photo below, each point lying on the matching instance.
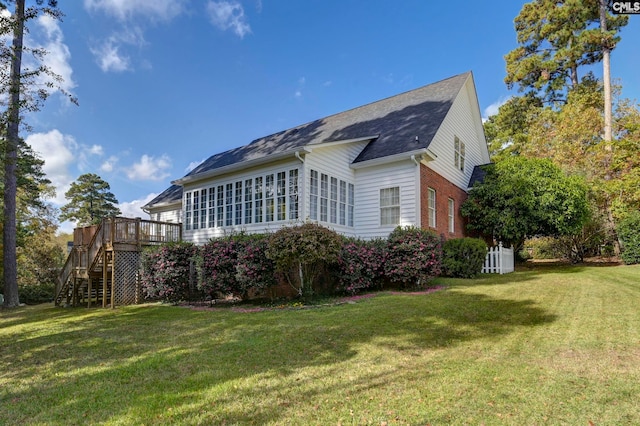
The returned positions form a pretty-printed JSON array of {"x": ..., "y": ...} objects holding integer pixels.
[
  {"x": 254, "y": 270},
  {"x": 414, "y": 256},
  {"x": 463, "y": 257},
  {"x": 629, "y": 234},
  {"x": 360, "y": 263},
  {"x": 301, "y": 253},
  {"x": 32, "y": 294},
  {"x": 166, "y": 271},
  {"x": 217, "y": 266}
]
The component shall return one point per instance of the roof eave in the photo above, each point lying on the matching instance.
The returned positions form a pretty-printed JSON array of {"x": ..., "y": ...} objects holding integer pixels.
[
  {"x": 423, "y": 154},
  {"x": 240, "y": 166}
]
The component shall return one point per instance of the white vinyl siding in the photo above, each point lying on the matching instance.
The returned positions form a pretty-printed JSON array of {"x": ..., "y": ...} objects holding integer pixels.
[
  {"x": 369, "y": 182},
  {"x": 172, "y": 214},
  {"x": 462, "y": 121},
  {"x": 458, "y": 153},
  {"x": 331, "y": 199}
]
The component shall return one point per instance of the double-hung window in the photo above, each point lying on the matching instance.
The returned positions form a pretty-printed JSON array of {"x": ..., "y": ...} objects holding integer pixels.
[
  {"x": 452, "y": 213},
  {"x": 431, "y": 206},
  {"x": 390, "y": 206}
]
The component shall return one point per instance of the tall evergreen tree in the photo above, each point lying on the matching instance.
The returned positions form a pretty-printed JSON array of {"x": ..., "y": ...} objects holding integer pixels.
[
  {"x": 23, "y": 94},
  {"x": 90, "y": 201},
  {"x": 556, "y": 38}
]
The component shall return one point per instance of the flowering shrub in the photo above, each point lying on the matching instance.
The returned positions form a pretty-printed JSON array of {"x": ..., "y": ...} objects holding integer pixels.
[
  {"x": 414, "y": 256},
  {"x": 464, "y": 257},
  {"x": 217, "y": 266},
  {"x": 166, "y": 271},
  {"x": 305, "y": 251},
  {"x": 235, "y": 264},
  {"x": 360, "y": 263},
  {"x": 253, "y": 269}
]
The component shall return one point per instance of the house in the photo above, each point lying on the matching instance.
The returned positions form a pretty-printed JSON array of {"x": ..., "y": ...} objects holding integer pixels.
[{"x": 404, "y": 160}]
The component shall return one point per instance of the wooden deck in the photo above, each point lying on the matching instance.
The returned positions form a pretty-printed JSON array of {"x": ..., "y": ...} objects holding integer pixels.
[{"x": 103, "y": 264}]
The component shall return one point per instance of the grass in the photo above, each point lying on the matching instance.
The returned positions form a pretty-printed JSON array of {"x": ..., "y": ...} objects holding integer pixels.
[{"x": 553, "y": 345}]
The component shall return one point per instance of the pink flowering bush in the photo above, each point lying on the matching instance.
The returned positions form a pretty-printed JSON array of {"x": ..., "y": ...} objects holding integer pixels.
[
  {"x": 254, "y": 270},
  {"x": 414, "y": 257},
  {"x": 217, "y": 267},
  {"x": 360, "y": 264},
  {"x": 166, "y": 272},
  {"x": 235, "y": 264}
]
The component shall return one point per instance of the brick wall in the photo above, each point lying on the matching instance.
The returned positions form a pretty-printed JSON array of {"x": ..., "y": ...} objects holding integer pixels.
[{"x": 444, "y": 190}]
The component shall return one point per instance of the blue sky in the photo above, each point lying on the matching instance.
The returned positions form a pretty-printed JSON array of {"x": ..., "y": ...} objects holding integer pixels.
[{"x": 163, "y": 84}]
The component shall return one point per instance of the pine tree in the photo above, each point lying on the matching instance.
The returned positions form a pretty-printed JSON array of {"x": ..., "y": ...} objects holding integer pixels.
[{"x": 90, "y": 201}]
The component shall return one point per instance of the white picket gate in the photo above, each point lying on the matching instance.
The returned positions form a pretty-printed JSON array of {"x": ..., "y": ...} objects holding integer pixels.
[{"x": 499, "y": 260}]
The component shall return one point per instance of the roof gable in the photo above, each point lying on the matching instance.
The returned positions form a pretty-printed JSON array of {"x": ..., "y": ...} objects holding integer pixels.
[
  {"x": 403, "y": 123},
  {"x": 399, "y": 124}
]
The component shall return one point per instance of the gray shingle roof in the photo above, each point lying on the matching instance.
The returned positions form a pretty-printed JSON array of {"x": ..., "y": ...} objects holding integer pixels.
[
  {"x": 171, "y": 195},
  {"x": 396, "y": 120}
]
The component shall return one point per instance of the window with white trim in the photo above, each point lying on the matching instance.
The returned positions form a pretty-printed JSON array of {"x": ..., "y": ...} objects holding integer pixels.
[
  {"x": 452, "y": 213},
  {"x": 266, "y": 198},
  {"x": 343, "y": 202},
  {"x": 293, "y": 194},
  {"x": 188, "y": 208},
  {"x": 431, "y": 206},
  {"x": 220, "y": 206},
  {"x": 330, "y": 199},
  {"x": 324, "y": 197},
  {"x": 212, "y": 207},
  {"x": 459, "y": 154},
  {"x": 269, "y": 191},
  {"x": 248, "y": 201},
  {"x": 196, "y": 209},
  {"x": 313, "y": 195},
  {"x": 390, "y": 206},
  {"x": 258, "y": 200},
  {"x": 350, "y": 203}
]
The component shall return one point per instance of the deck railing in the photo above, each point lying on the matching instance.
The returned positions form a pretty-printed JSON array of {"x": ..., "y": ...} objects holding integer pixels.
[{"x": 89, "y": 240}]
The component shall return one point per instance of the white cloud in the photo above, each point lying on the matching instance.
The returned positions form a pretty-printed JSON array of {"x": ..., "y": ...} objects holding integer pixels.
[
  {"x": 109, "y": 57},
  {"x": 109, "y": 164},
  {"x": 58, "y": 152},
  {"x": 58, "y": 55},
  {"x": 123, "y": 10},
  {"x": 493, "y": 108},
  {"x": 228, "y": 15},
  {"x": 150, "y": 168},
  {"x": 192, "y": 165},
  {"x": 134, "y": 208}
]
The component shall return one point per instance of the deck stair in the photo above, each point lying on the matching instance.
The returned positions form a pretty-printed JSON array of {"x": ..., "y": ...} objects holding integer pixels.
[{"x": 103, "y": 264}]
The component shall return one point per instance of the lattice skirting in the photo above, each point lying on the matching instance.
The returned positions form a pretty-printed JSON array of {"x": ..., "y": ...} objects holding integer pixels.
[{"x": 126, "y": 288}]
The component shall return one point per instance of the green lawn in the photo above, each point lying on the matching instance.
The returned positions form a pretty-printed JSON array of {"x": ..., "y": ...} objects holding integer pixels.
[{"x": 553, "y": 345}]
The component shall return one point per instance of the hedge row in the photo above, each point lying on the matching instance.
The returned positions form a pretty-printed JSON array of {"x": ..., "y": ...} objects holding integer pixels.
[{"x": 243, "y": 264}]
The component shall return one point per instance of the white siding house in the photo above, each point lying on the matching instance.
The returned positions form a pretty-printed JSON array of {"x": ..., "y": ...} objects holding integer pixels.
[{"x": 360, "y": 172}]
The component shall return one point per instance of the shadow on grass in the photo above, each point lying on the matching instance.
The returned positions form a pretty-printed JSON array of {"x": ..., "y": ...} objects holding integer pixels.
[{"x": 148, "y": 362}]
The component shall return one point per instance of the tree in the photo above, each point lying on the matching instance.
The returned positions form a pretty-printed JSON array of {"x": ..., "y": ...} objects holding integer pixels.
[
  {"x": 522, "y": 197},
  {"x": 556, "y": 38},
  {"x": 302, "y": 253},
  {"x": 23, "y": 94},
  {"x": 90, "y": 201}
]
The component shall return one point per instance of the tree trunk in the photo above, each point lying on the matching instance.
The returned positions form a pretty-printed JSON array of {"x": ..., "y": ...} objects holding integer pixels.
[
  {"x": 10, "y": 271},
  {"x": 608, "y": 134},
  {"x": 606, "y": 76}
]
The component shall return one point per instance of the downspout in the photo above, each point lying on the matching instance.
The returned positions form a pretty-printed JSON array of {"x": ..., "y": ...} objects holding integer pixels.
[
  {"x": 415, "y": 160},
  {"x": 299, "y": 157}
]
